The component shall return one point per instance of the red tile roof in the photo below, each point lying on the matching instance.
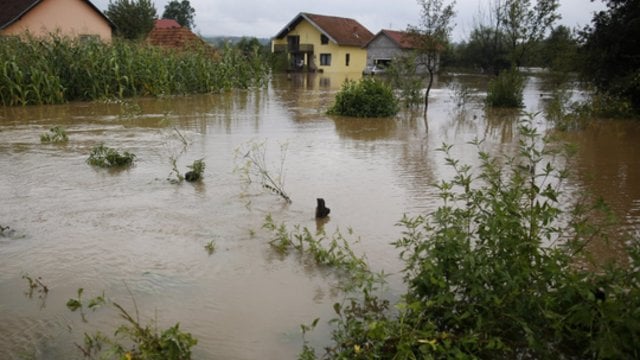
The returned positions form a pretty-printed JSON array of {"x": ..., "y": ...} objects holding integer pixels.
[
  {"x": 401, "y": 38},
  {"x": 169, "y": 34},
  {"x": 342, "y": 31},
  {"x": 166, "y": 24}
]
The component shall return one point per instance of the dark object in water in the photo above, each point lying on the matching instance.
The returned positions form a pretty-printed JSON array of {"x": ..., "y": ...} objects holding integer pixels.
[
  {"x": 191, "y": 176},
  {"x": 321, "y": 210}
]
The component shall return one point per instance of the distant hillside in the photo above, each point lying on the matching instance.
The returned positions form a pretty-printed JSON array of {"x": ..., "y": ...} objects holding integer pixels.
[{"x": 218, "y": 41}]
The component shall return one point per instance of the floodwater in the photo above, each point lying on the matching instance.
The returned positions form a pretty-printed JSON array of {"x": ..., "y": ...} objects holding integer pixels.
[{"x": 139, "y": 238}]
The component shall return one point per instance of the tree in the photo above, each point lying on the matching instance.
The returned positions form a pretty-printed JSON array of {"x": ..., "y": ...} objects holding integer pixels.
[
  {"x": 559, "y": 51},
  {"x": 133, "y": 19},
  {"x": 525, "y": 26},
  {"x": 430, "y": 37},
  {"x": 611, "y": 50},
  {"x": 180, "y": 11}
]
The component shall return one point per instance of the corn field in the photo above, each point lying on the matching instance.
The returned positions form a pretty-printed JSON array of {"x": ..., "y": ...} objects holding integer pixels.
[{"x": 57, "y": 70}]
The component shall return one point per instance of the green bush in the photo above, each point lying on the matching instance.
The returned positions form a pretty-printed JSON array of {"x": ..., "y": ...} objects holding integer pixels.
[
  {"x": 365, "y": 98},
  {"x": 56, "y": 134},
  {"x": 505, "y": 91},
  {"x": 106, "y": 157},
  {"x": 494, "y": 273}
]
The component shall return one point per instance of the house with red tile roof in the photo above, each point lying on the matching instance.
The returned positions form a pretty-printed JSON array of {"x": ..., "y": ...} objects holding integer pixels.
[
  {"x": 323, "y": 43},
  {"x": 388, "y": 45},
  {"x": 167, "y": 33},
  {"x": 40, "y": 18}
]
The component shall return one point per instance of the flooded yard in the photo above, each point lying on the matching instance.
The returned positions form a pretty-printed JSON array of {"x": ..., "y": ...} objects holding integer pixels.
[{"x": 133, "y": 234}]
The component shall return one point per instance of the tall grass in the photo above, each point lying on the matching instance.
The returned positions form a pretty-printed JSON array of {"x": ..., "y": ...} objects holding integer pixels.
[{"x": 58, "y": 69}]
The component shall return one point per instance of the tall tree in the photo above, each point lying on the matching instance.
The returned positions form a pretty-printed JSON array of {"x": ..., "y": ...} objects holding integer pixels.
[
  {"x": 133, "y": 19},
  {"x": 430, "y": 37},
  {"x": 180, "y": 11},
  {"x": 525, "y": 25},
  {"x": 559, "y": 50},
  {"x": 611, "y": 50}
]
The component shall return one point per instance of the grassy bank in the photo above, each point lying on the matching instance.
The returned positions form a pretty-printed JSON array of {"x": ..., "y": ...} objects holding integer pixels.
[{"x": 56, "y": 70}]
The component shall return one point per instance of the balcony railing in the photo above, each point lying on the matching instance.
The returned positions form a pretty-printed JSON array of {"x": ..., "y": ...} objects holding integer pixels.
[{"x": 293, "y": 48}]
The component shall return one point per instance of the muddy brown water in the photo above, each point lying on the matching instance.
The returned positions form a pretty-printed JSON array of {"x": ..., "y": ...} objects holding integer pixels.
[{"x": 132, "y": 234}]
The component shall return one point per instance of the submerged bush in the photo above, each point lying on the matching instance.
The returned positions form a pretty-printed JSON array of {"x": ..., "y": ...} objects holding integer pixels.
[
  {"x": 57, "y": 69},
  {"x": 196, "y": 172},
  {"x": 505, "y": 91},
  {"x": 366, "y": 98},
  {"x": 107, "y": 157},
  {"x": 55, "y": 135},
  {"x": 132, "y": 340},
  {"x": 494, "y": 273}
]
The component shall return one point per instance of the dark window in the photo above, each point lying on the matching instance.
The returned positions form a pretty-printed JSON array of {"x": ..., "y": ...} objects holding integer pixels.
[
  {"x": 293, "y": 42},
  {"x": 324, "y": 40},
  {"x": 347, "y": 59},
  {"x": 325, "y": 59}
]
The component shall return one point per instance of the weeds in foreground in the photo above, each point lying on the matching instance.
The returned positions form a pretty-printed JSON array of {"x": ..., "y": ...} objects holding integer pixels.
[
  {"x": 495, "y": 273},
  {"x": 131, "y": 339},
  {"x": 56, "y": 134},
  {"x": 334, "y": 252},
  {"x": 35, "y": 283},
  {"x": 210, "y": 247},
  {"x": 254, "y": 167},
  {"x": 107, "y": 157}
]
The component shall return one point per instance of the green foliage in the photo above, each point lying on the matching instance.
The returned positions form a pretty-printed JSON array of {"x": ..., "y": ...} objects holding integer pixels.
[
  {"x": 56, "y": 134},
  {"x": 366, "y": 98},
  {"x": 611, "y": 55},
  {"x": 106, "y": 157},
  {"x": 334, "y": 251},
  {"x": 35, "y": 283},
  {"x": 403, "y": 76},
  {"x": 604, "y": 106},
  {"x": 180, "y": 11},
  {"x": 255, "y": 168},
  {"x": 560, "y": 50},
  {"x": 197, "y": 171},
  {"x": 197, "y": 167},
  {"x": 210, "y": 247},
  {"x": 133, "y": 19},
  {"x": 55, "y": 70},
  {"x": 493, "y": 273},
  {"x": 505, "y": 91},
  {"x": 140, "y": 342}
]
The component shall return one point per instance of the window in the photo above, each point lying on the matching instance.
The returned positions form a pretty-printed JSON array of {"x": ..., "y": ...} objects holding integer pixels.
[
  {"x": 324, "y": 40},
  {"x": 325, "y": 59},
  {"x": 347, "y": 59}
]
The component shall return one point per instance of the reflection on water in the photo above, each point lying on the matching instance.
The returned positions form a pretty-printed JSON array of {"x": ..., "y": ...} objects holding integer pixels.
[{"x": 77, "y": 226}]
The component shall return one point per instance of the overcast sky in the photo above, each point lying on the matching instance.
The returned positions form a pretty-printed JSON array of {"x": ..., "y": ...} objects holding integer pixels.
[{"x": 265, "y": 18}]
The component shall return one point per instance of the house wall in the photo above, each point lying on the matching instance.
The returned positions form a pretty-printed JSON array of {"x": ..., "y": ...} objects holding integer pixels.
[
  {"x": 71, "y": 18},
  {"x": 382, "y": 48},
  {"x": 310, "y": 35}
]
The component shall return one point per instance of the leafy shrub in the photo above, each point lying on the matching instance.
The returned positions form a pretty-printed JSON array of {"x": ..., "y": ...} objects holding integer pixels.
[
  {"x": 365, "y": 98},
  {"x": 107, "y": 157},
  {"x": 131, "y": 340},
  {"x": 55, "y": 135},
  {"x": 494, "y": 273},
  {"x": 602, "y": 105},
  {"x": 505, "y": 91}
]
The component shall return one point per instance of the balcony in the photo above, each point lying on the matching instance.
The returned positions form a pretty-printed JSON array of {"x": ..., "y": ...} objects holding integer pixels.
[{"x": 293, "y": 48}]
